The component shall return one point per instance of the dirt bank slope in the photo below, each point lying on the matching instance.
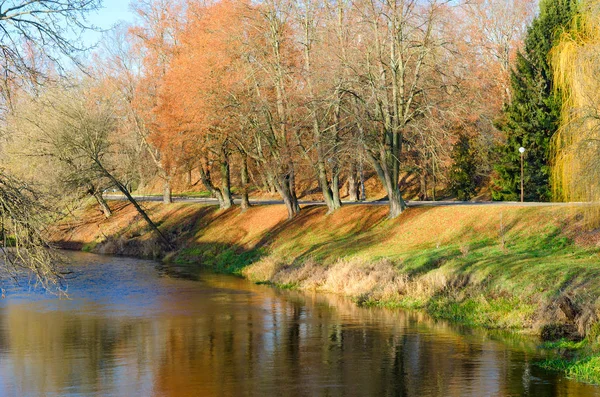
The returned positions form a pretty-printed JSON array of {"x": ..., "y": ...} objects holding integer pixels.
[{"x": 525, "y": 268}]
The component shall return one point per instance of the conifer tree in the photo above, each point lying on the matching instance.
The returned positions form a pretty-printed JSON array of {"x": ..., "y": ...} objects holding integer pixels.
[
  {"x": 463, "y": 174},
  {"x": 532, "y": 116}
]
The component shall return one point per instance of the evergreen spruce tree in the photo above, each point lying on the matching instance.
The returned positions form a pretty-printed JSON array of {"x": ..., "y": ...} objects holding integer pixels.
[
  {"x": 463, "y": 174},
  {"x": 532, "y": 116}
]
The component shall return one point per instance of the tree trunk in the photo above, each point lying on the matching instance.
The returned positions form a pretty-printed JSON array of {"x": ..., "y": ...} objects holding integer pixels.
[
  {"x": 138, "y": 208},
  {"x": 397, "y": 205},
  {"x": 352, "y": 185},
  {"x": 244, "y": 177},
  {"x": 391, "y": 185},
  {"x": 207, "y": 182},
  {"x": 292, "y": 189},
  {"x": 424, "y": 194},
  {"x": 142, "y": 182},
  {"x": 189, "y": 177},
  {"x": 266, "y": 186},
  {"x": 227, "y": 200},
  {"x": 272, "y": 188},
  {"x": 363, "y": 191},
  {"x": 324, "y": 185},
  {"x": 335, "y": 190},
  {"x": 167, "y": 193},
  {"x": 289, "y": 198},
  {"x": 102, "y": 203},
  {"x": 291, "y": 204}
]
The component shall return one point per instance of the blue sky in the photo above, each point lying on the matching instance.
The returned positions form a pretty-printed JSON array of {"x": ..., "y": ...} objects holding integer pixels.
[{"x": 111, "y": 13}]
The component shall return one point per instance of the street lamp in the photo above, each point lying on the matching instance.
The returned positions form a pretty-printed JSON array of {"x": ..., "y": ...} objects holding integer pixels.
[{"x": 522, "y": 151}]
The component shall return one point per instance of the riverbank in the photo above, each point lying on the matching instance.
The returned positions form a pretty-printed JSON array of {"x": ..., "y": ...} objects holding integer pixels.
[{"x": 534, "y": 270}]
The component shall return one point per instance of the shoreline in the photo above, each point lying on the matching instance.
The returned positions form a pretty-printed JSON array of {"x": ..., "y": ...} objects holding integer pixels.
[{"x": 526, "y": 270}]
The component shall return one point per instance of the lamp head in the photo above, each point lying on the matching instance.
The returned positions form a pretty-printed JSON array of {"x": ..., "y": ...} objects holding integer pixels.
[{"x": 521, "y": 150}]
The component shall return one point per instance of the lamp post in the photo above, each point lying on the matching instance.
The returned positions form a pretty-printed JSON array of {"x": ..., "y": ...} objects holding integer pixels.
[{"x": 522, "y": 151}]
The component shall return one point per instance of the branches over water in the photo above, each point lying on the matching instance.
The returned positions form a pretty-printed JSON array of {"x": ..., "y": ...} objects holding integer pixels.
[{"x": 24, "y": 248}]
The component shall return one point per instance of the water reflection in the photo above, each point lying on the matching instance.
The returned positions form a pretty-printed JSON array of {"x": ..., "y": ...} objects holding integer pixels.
[{"x": 127, "y": 331}]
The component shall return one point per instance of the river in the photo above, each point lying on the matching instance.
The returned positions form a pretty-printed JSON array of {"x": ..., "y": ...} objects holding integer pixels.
[{"x": 130, "y": 329}]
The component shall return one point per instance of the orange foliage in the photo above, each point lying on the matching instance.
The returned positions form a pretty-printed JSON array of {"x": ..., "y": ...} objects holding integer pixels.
[
  {"x": 156, "y": 39},
  {"x": 205, "y": 83}
]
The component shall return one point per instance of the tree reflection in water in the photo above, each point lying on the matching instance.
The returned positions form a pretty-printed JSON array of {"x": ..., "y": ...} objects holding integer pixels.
[{"x": 139, "y": 334}]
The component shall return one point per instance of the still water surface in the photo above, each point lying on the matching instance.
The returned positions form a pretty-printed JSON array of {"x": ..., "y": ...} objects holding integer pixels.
[{"x": 128, "y": 329}]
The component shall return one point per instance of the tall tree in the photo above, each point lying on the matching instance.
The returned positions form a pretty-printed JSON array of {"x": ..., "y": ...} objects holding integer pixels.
[
  {"x": 274, "y": 70},
  {"x": 403, "y": 77},
  {"x": 50, "y": 28},
  {"x": 79, "y": 131},
  {"x": 532, "y": 116},
  {"x": 462, "y": 177},
  {"x": 198, "y": 106},
  {"x": 494, "y": 30},
  {"x": 155, "y": 37}
]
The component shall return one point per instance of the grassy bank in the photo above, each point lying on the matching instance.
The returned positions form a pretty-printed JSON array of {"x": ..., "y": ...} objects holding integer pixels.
[{"x": 528, "y": 269}]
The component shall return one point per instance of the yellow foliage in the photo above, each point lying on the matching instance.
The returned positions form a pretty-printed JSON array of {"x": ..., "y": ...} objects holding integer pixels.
[{"x": 576, "y": 146}]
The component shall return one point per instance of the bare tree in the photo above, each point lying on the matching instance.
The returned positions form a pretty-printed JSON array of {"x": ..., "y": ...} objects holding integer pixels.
[
  {"x": 23, "y": 247},
  {"x": 402, "y": 71},
  {"x": 41, "y": 35},
  {"x": 35, "y": 36},
  {"x": 81, "y": 132}
]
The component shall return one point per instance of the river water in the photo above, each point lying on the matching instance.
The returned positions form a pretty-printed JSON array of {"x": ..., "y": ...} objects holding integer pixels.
[{"x": 129, "y": 329}]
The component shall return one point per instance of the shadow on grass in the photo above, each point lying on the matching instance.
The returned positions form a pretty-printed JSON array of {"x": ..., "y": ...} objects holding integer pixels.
[
  {"x": 321, "y": 240},
  {"x": 213, "y": 257}
]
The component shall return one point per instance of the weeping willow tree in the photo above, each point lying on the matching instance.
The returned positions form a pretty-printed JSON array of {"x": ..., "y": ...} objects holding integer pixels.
[{"x": 576, "y": 145}]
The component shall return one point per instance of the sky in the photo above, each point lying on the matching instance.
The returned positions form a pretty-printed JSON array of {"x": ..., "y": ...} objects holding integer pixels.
[{"x": 111, "y": 13}]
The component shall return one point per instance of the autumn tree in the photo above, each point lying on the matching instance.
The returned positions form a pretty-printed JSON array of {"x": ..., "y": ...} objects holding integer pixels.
[
  {"x": 35, "y": 33},
  {"x": 273, "y": 61},
  {"x": 205, "y": 86},
  {"x": 494, "y": 30},
  {"x": 299, "y": 93},
  {"x": 32, "y": 147},
  {"x": 155, "y": 38},
  {"x": 117, "y": 67},
  {"x": 320, "y": 98},
  {"x": 486, "y": 35}
]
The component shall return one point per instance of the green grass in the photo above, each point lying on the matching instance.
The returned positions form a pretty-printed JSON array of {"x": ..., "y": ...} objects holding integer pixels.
[
  {"x": 579, "y": 360},
  {"x": 89, "y": 247},
  {"x": 218, "y": 258},
  {"x": 479, "y": 311},
  {"x": 198, "y": 194},
  {"x": 582, "y": 368}
]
